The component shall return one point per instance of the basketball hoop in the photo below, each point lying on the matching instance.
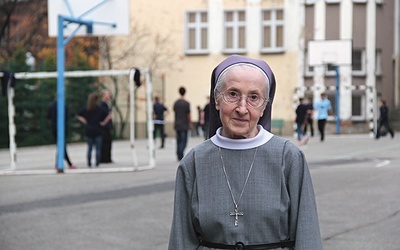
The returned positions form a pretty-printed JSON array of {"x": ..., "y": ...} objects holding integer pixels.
[{"x": 323, "y": 52}]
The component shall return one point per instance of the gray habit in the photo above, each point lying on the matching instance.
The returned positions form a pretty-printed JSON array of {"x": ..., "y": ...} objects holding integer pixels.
[{"x": 278, "y": 202}]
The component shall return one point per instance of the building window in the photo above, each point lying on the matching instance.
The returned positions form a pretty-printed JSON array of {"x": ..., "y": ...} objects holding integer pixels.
[
  {"x": 235, "y": 32},
  {"x": 331, "y": 96},
  {"x": 358, "y": 106},
  {"x": 378, "y": 61},
  {"x": 196, "y": 41},
  {"x": 365, "y": 1},
  {"x": 358, "y": 62},
  {"x": 273, "y": 27},
  {"x": 308, "y": 70},
  {"x": 330, "y": 70}
]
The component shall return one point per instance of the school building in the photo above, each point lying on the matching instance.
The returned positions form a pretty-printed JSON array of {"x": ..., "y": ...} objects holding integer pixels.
[{"x": 181, "y": 42}]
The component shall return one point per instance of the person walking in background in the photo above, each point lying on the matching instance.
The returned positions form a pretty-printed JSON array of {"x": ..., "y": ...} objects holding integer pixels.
[
  {"x": 94, "y": 117},
  {"x": 52, "y": 116},
  {"x": 323, "y": 108},
  {"x": 206, "y": 118},
  {"x": 245, "y": 188},
  {"x": 199, "y": 124},
  {"x": 182, "y": 123},
  {"x": 107, "y": 129},
  {"x": 301, "y": 115},
  {"x": 310, "y": 117},
  {"x": 384, "y": 120},
  {"x": 159, "y": 114}
]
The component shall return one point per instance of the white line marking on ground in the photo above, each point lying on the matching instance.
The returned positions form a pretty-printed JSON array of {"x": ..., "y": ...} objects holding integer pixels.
[
  {"x": 382, "y": 164},
  {"x": 75, "y": 171}
]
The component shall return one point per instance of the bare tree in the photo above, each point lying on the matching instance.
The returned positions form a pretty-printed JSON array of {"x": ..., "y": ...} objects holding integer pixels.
[
  {"x": 23, "y": 23},
  {"x": 117, "y": 52},
  {"x": 7, "y": 8}
]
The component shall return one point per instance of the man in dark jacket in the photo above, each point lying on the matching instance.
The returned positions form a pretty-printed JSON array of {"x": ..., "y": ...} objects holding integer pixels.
[
  {"x": 301, "y": 116},
  {"x": 182, "y": 123},
  {"x": 384, "y": 120}
]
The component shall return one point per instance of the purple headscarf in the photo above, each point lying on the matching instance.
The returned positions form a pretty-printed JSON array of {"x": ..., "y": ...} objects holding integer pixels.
[{"x": 265, "y": 120}]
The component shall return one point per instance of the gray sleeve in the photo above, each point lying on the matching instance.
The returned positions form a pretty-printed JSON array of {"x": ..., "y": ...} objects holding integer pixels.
[
  {"x": 183, "y": 235},
  {"x": 304, "y": 225}
]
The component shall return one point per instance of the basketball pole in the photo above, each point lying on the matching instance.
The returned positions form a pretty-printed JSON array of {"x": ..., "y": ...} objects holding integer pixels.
[
  {"x": 60, "y": 84},
  {"x": 337, "y": 96},
  {"x": 337, "y": 99},
  {"x": 60, "y": 80},
  {"x": 60, "y": 96}
]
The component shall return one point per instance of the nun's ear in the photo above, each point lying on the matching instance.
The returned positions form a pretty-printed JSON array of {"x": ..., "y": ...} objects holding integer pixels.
[{"x": 216, "y": 105}]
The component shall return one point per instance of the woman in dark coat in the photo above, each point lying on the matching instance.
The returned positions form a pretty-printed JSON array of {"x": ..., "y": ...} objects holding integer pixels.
[{"x": 94, "y": 117}]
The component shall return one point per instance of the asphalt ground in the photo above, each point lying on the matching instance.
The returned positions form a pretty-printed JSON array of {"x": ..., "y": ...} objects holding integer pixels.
[{"x": 356, "y": 180}]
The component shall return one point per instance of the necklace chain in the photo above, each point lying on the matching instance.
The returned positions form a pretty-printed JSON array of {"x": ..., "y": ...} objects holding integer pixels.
[{"x": 236, "y": 213}]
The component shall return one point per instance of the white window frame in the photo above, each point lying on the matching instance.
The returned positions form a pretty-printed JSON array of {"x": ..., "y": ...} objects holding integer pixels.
[
  {"x": 273, "y": 24},
  {"x": 198, "y": 25},
  {"x": 363, "y": 71},
  {"x": 310, "y": 2},
  {"x": 332, "y": 1},
  {"x": 362, "y": 107},
  {"x": 235, "y": 25}
]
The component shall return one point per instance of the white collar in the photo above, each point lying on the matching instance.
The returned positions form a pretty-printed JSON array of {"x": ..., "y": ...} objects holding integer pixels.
[{"x": 262, "y": 137}]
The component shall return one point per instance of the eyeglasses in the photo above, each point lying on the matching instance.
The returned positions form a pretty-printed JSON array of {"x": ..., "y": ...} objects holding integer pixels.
[{"x": 254, "y": 100}]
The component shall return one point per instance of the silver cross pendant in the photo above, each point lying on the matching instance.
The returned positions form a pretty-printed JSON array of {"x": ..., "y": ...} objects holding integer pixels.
[{"x": 236, "y": 214}]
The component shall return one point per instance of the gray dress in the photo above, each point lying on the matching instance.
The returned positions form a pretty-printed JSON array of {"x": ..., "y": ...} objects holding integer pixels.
[{"x": 278, "y": 202}]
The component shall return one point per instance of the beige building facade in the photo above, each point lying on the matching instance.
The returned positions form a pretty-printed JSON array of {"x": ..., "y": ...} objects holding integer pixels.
[{"x": 182, "y": 41}]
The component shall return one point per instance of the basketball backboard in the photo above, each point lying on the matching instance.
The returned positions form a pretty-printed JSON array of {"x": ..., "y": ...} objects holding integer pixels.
[
  {"x": 110, "y": 17},
  {"x": 323, "y": 52}
]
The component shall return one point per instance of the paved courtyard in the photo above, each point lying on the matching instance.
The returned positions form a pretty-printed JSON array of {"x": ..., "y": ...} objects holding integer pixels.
[{"x": 356, "y": 180}]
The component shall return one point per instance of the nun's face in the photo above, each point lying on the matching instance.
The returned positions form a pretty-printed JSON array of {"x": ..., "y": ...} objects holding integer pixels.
[{"x": 239, "y": 119}]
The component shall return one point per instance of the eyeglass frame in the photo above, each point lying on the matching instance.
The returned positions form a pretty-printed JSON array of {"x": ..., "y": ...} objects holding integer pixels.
[{"x": 265, "y": 100}]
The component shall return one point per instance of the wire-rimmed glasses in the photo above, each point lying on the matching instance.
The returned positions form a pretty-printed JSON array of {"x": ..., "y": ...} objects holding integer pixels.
[{"x": 254, "y": 100}]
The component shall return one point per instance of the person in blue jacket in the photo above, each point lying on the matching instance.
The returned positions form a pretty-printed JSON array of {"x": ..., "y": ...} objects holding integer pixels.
[{"x": 323, "y": 108}]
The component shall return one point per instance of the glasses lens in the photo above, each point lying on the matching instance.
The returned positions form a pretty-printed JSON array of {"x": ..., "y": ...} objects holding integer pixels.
[
  {"x": 232, "y": 96},
  {"x": 253, "y": 100}
]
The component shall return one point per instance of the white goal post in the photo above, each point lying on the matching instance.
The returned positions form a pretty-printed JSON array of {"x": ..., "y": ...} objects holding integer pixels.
[{"x": 94, "y": 73}]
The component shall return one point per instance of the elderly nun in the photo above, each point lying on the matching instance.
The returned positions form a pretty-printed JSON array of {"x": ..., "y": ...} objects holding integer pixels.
[{"x": 244, "y": 187}]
